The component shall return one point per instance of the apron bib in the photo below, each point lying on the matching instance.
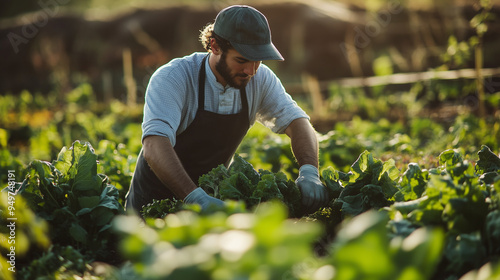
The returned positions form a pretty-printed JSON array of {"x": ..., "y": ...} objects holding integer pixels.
[{"x": 210, "y": 140}]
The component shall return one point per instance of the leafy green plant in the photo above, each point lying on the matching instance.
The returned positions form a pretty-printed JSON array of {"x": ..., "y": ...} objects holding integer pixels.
[
  {"x": 363, "y": 250},
  {"x": 488, "y": 161},
  {"x": 265, "y": 244},
  {"x": 413, "y": 182},
  {"x": 57, "y": 263},
  {"x": 78, "y": 203},
  {"x": 23, "y": 235},
  {"x": 370, "y": 184},
  {"x": 422, "y": 223},
  {"x": 161, "y": 208},
  {"x": 185, "y": 245},
  {"x": 242, "y": 182},
  {"x": 460, "y": 199},
  {"x": 447, "y": 197},
  {"x": 118, "y": 163},
  {"x": 9, "y": 162}
]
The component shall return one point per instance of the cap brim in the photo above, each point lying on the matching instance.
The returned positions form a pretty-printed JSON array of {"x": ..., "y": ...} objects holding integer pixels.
[{"x": 258, "y": 52}]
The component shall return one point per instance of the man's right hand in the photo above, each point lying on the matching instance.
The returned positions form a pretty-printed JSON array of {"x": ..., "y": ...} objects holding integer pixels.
[{"x": 199, "y": 196}]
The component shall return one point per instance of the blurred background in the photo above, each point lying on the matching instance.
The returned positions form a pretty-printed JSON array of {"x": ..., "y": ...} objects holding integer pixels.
[
  {"x": 52, "y": 45},
  {"x": 376, "y": 59}
]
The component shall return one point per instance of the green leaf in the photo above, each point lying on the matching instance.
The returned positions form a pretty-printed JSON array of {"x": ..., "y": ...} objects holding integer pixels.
[
  {"x": 489, "y": 178},
  {"x": 352, "y": 205},
  {"x": 240, "y": 165},
  {"x": 65, "y": 262},
  {"x": 78, "y": 233},
  {"x": 86, "y": 176},
  {"x": 492, "y": 232},
  {"x": 83, "y": 211},
  {"x": 64, "y": 162},
  {"x": 332, "y": 181},
  {"x": 109, "y": 198},
  {"x": 160, "y": 208},
  {"x": 465, "y": 215},
  {"x": 390, "y": 169},
  {"x": 267, "y": 189},
  {"x": 291, "y": 195},
  {"x": 360, "y": 250},
  {"x": 210, "y": 182},
  {"x": 421, "y": 251},
  {"x": 402, "y": 227},
  {"x": 228, "y": 188},
  {"x": 360, "y": 166},
  {"x": 450, "y": 158},
  {"x": 102, "y": 215},
  {"x": 78, "y": 165},
  {"x": 388, "y": 186},
  {"x": 106, "y": 227},
  {"x": 88, "y": 201},
  {"x": 413, "y": 182},
  {"x": 371, "y": 185},
  {"x": 373, "y": 197},
  {"x": 488, "y": 161},
  {"x": 464, "y": 252},
  {"x": 42, "y": 168},
  {"x": 269, "y": 218},
  {"x": 39, "y": 188},
  {"x": 406, "y": 207}
]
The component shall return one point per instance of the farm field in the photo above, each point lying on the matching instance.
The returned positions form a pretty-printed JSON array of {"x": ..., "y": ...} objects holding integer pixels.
[
  {"x": 409, "y": 148},
  {"x": 418, "y": 199}
]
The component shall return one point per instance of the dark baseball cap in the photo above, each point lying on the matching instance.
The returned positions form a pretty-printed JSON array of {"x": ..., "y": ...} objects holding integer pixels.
[{"x": 248, "y": 32}]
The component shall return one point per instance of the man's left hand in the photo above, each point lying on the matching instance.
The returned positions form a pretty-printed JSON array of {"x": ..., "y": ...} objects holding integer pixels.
[{"x": 314, "y": 193}]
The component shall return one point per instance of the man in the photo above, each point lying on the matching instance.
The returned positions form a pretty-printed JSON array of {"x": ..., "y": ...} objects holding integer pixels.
[{"x": 198, "y": 109}]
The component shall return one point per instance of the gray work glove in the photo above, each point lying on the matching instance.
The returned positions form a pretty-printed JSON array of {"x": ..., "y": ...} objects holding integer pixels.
[
  {"x": 199, "y": 196},
  {"x": 314, "y": 193}
]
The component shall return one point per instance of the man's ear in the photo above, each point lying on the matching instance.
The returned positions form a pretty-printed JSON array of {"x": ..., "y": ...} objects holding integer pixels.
[{"x": 215, "y": 47}]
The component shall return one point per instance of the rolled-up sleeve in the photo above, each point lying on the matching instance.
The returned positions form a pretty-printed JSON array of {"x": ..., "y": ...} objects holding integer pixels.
[{"x": 163, "y": 103}]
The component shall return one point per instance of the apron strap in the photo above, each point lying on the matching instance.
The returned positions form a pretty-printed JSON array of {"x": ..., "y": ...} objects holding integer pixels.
[
  {"x": 201, "y": 85},
  {"x": 201, "y": 90}
]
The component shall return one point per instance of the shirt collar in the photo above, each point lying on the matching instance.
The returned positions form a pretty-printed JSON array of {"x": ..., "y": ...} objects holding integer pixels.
[{"x": 212, "y": 80}]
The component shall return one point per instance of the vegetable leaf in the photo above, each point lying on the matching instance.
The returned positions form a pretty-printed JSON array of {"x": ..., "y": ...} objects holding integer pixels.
[{"x": 488, "y": 161}]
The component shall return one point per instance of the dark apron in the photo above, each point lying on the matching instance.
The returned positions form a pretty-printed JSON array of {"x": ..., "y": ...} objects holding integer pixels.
[{"x": 210, "y": 140}]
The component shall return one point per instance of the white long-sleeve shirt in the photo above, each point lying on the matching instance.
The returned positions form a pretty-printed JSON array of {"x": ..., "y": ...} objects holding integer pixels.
[{"x": 172, "y": 98}]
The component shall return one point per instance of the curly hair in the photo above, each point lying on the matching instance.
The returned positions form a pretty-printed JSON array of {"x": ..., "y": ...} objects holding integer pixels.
[{"x": 208, "y": 33}]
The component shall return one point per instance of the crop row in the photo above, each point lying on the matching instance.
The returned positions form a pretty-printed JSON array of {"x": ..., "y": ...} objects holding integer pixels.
[{"x": 380, "y": 223}]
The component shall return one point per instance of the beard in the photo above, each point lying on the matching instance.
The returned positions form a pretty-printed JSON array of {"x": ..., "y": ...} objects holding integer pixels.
[{"x": 223, "y": 69}]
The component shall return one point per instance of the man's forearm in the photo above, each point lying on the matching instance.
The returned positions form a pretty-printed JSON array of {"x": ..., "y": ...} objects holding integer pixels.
[
  {"x": 304, "y": 142},
  {"x": 163, "y": 160}
]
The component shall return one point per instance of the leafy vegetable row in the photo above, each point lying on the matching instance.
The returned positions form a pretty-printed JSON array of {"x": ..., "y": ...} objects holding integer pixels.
[
  {"x": 436, "y": 223},
  {"x": 457, "y": 201}
]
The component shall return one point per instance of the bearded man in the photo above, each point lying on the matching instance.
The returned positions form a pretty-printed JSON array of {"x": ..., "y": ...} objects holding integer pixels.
[{"x": 199, "y": 107}]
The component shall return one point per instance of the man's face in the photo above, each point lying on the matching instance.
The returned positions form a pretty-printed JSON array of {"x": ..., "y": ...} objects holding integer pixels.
[{"x": 235, "y": 69}]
